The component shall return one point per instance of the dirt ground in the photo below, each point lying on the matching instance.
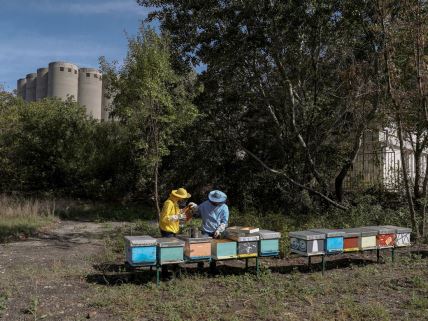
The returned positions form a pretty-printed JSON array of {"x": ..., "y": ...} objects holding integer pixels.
[
  {"x": 43, "y": 276},
  {"x": 56, "y": 275}
]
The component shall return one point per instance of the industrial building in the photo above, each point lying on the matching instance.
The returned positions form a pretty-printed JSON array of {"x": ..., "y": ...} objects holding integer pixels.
[{"x": 65, "y": 80}]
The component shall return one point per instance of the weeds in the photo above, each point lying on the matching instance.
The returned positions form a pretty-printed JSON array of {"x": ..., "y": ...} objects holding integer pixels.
[{"x": 23, "y": 216}]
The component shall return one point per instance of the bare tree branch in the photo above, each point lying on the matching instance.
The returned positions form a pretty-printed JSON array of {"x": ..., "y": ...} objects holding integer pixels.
[{"x": 292, "y": 181}]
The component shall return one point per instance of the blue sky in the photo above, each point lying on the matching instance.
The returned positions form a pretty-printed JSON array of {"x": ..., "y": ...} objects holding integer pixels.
[{"x": 36, "y": 32}]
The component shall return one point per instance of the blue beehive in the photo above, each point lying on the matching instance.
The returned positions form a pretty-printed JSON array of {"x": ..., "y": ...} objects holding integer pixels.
[
  {"x": 269, "y": 243},
  {"x": 333, "y": 242},
  {"x": 140, "y": 250},
  {"x": 170, "y": 250}
]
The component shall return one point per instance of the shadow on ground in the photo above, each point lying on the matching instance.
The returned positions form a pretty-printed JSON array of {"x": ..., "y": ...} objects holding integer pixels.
[{"x": 113, "y": 274}]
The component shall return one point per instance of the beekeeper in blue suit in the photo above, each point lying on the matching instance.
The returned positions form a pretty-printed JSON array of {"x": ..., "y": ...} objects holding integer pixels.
[{"x": 214, "y": 213}]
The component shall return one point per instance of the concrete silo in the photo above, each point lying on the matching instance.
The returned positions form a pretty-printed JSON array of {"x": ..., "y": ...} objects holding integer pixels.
[
  {"x": 30, "y": 87},
  {"x": 62, "y": 80},
  {"x": 42, "y": 83},
  {"x": 90, "y": 91},
  {"x": 21, "y": 87}
]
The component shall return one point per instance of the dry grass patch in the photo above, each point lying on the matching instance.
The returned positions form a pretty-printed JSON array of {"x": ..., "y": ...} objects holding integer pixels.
[{"x": 23, "y": 216}]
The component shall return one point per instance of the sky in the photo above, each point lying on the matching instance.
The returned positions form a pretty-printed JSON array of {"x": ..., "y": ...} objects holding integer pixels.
[{"x": 36, "y": 32}]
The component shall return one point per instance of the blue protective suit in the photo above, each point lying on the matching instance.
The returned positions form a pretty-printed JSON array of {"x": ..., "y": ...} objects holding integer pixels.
[{"x": 212, "y": 216}]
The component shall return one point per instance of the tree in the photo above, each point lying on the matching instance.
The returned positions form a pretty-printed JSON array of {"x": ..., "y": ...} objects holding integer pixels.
[
  {"x": 152, "y": 100},
  {"x": 300, "y": 79},
  {"x": 405, "y": 25}
]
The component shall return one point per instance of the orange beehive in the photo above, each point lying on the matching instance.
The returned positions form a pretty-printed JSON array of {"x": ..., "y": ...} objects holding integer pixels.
[
  {"x": 192, "y": 250},
  {"x": 196, "y": 248}
]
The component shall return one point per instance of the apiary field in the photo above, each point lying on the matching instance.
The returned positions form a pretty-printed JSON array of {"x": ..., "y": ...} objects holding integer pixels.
[{"x": 75, "y": 271}]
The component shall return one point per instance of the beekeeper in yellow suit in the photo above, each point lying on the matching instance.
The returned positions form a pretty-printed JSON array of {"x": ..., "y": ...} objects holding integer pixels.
[{"x": 170, "y": 215}]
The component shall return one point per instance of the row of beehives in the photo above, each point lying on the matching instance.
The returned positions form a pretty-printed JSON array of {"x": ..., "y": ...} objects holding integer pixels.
[
  {"x": 146, "y": 250},
  {"x": 326, "y": 241}
]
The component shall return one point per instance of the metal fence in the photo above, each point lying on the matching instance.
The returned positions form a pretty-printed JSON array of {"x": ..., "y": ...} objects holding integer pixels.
[{"x": 375, "y": 169}]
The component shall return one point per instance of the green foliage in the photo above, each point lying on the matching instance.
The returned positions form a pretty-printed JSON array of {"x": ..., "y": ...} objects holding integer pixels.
[
  {"x": 52, "y": 145},
  {"x": 151, "y": 100}
]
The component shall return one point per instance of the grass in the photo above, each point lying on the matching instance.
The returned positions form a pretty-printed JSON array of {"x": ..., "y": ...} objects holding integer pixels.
[
  {"x": 347, "y": 294},
  {"x": 23, "y": 217}
]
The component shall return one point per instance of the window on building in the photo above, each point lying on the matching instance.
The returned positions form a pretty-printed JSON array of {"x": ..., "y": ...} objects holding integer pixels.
[
  {"x": 88, "y": 74},
  {"x": 61, "y": 68},
  {"x": 69, "y": 69},
  {"x": 75, "y": 72},
  {"x": 95, "y": 76}
]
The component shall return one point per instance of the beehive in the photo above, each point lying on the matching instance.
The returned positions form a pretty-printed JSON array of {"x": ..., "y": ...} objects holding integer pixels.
[
  {"x": 269, "y": 243},
  {"x": 385, "y": 237},
  {"x": 196, "y": 248},
  {"x": 367, "y": 238},
  {"x": 351, "y": 240},
  {"x": 140, "y": 250},
  {"x": 170, "y": 250},
  {"x": 307, "y": 243},
  {"x": 223, "y": 249},
  {"x": 333, "y": 242},
  {"x": 402, "y": 235}
]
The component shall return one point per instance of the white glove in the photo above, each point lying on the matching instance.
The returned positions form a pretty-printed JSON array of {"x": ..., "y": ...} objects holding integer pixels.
[
  {"x": 193, "y": 206},
  {"x": 173, "y": 218},
  {"x": 182, "y": 216},
  {"x": 221, "y": 228},
  {"x": 216, "y": 234}
]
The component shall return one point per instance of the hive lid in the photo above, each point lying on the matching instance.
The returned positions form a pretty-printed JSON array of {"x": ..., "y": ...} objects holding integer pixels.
[
  {"x": 240, "y": 238},
  {"x": 169, "y": 242},
  {"x": 351, "y": 232},
  {"x": 243, "y": 229},
  {"x": 269, "y": 235},
  {"x": 361, "y": 230},
  {"x": 329, "y": 232},
  {"x": 307, "y": 235},
  {"x": 381, "y": 229},
  {"x": 399, "y": 229},
  {"x": 223, "y": 241},
  {"x": 140, "y": 240},
  {"x": 188, "y": 239}
]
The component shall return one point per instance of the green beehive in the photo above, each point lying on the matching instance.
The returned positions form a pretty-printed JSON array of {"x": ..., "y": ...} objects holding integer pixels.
[
  {"x": 170, "y": 250},
  {"x": 269, "y": 243},
  {"x": 223, "y": 249}
]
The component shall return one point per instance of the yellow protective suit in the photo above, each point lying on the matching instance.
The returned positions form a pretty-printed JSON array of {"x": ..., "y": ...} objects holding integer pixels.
[{"x": 170, "y": 208}]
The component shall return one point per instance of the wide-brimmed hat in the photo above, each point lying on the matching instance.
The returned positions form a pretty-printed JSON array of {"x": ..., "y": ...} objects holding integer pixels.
[
  {"x": 217, "y": 196},
  {"x": 180, "y": 193}
]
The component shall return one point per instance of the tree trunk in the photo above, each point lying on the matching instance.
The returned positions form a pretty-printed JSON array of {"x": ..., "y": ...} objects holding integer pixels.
[
  {"x": 156, "y": 174},
  {"x": 405, "y": 175},
  {"x": 338, "y": 182},
  {"x": 417, "y": 163}
]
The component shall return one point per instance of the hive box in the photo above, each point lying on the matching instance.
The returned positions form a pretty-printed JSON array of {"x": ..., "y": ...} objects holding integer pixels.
[
  {"x": 402, "y": 235},
  {"x": 223, "y": 249},
  {"x": 140, "y": 250},
  {"x": 333, "y": 242},
  {"x": 385, "y": 236},
  {"x": 367, "y": 238},
  {"x": 307, "y": 243},
  {"x": 269, "y": 243},
  {"x": 351, "y": 240},
  {"x": 196, "y": 248},
  {"x": 170, "y": 250},
  {"x": 247, "y": 243}
]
